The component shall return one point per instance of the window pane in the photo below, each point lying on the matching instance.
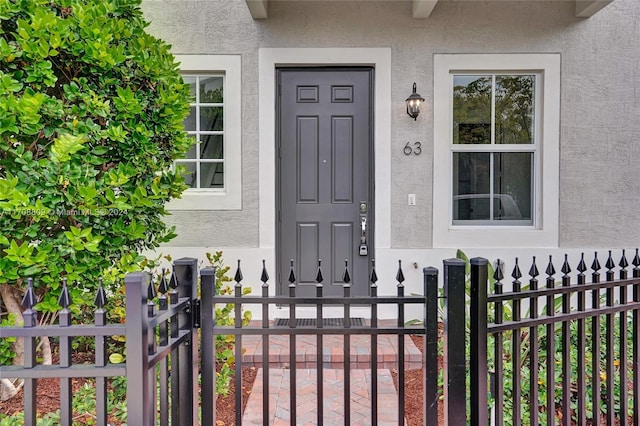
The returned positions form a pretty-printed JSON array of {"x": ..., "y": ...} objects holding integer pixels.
[
  {"x": 191, "y": 81},
  {"x": 211, "y": 175},
  {"x": 212, "y": 147},
  {"x": 189, "y": 175},
  {"x": 471, "y": 185},
  {"x": 211, "y": 90},
  {"x": 202, "y": 166},
  {"x": 211, "y": 119},
  {"x": 512, "y": 188},
  {"x": 190, "y": 121},
  {"x": 471, "y": 109},
  {"x": 514, "y": 109},
  {"x": 191, "y": 154}
]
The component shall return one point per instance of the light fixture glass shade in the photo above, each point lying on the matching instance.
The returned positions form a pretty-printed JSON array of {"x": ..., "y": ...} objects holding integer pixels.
[{"x": 413, "y": 103}]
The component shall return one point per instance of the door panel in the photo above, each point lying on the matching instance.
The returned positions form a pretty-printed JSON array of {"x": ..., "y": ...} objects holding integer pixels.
[
  {"x": 307, "y": 252},
  {"x": 307, "y": 159},
  {"x": 325, "y": 166},
  {"x": 342, "y": 149}
]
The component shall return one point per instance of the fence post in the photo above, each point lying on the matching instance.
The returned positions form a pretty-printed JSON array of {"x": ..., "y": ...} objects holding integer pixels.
[
  {"x": 431, "y": 346},
  {"x": 30, "y": 316},
  {"x": 139, "y": 397},
  {"x": 186, "y": 272},
  {"x": 478, "y": 361},
  {"x": 454, "y": 343},
  {"x": 208, "y": 345}
]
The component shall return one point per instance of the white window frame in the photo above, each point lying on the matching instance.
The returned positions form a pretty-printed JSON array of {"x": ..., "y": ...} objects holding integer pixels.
[
  {"x": 229, "y": 198},
  {"x": 544, "y": 231}
]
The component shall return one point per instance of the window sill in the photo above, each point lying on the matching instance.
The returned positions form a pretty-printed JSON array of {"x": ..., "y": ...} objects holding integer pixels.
[
  {"x": 206, "y": 200},
  {"x": 494, "y": 237}
]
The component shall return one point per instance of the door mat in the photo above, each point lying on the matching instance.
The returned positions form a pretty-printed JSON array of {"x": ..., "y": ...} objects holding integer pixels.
[{"x": 326, "y": 322}]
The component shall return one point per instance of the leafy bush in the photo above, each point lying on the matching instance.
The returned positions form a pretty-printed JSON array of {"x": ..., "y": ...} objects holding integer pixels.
[
  {"x": 91, "y": 112},
  {"x": 6, "y": 344}
]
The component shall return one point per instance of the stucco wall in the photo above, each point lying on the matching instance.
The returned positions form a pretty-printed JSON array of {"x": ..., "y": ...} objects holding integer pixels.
[{"x": 600, "y": 98}]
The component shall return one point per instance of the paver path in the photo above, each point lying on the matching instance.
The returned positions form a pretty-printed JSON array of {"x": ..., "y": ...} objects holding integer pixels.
[
  {"x": 333, "y": 352},
  {"x": 333, "y": 405},
  {"x": 334, "y": 355}
]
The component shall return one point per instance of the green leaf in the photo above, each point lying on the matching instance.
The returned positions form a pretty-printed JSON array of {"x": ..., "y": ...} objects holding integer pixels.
[
  {"x": 88, "y": 192},
  {"x": 31, "y": 271},
  {"x": 462, "y": 256},
  {"x": 66, "y": 145},
  {"x": 116, "y": 358}
]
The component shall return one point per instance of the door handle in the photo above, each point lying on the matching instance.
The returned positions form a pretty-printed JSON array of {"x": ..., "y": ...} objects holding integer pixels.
[{"x": 363, "y": 250}]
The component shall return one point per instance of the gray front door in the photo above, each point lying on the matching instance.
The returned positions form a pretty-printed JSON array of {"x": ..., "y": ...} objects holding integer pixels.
[{"x": 325, "y": 157}]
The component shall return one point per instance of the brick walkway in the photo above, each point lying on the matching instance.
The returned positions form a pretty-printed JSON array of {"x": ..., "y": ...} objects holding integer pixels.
[
  {"x": 333, "y": 351},
  {"x": 333, "y": 378},
  {"x": 333, "y": 405}
]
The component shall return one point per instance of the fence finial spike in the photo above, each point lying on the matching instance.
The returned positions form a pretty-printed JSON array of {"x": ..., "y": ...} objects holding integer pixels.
[
  {"x": 595, "y": 266},
  {"x": 636, "y": 260},
  {"x": 65, "y": 299},
  {"x": 400, "y": 274},
  {"x": 292, "y": 274},
  {"x": 264, "y": 277},
  {"x": 374, "y": 277},
  {"x": 516, "y": 274},
  {"x": 101, "y": 297},
  {"x": 623, "y": 262},
  {"x": 566, "y": 268},
  {"x": 497, "y": 274},
  {"x": 238, "y": 276},
  {"x": 582, "y": 266},
  {"x": 346, "y": 277},
  {"x": 163, "y": 288},
  {"x": 550, "y": 271},
  {"x": 319, "y": 277},
  {"x": 151, "y": 291},
  {"x": 173, "y": 281},
  {"x": 533, "y": 271},
  {"x": 29, "y": 298},
  {"x": 610, "y": 263}
]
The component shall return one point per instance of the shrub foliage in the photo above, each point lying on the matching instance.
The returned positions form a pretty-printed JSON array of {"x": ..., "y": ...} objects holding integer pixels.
[{"x": 91, "y": 112}]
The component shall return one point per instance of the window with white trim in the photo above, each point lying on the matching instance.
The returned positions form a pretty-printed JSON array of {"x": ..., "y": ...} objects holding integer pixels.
[
  {"x": 213, "y": 164},
  {"x": 204, "y": 162},
  {"x": 496, "y": 150}
]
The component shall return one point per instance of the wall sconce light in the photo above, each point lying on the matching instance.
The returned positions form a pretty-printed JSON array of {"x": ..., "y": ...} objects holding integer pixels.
[{"x": 413, "y": 104}]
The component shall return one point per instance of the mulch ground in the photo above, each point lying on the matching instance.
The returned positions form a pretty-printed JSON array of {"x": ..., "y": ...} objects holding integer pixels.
[
  {"x": 226, "y": 406},
  {"x": 413, "y": 391},
  {"x": 48, "y": 397}
]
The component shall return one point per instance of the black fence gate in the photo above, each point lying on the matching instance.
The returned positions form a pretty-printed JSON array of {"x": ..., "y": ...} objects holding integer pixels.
[{"x": 296, "y": 328}]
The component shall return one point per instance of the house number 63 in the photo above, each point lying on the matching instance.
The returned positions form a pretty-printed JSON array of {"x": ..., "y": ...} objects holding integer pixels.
[{"x": 415, "y": 148}]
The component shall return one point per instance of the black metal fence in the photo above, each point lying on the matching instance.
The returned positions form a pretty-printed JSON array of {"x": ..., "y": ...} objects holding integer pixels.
[
  {"x": 265, "y": 329},
  {"x": 160, "y": 343},
  {"x": 557, "y": 354}
]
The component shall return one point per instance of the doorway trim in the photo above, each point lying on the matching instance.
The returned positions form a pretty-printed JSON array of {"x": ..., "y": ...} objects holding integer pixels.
[{"x": 268, "y": 60}]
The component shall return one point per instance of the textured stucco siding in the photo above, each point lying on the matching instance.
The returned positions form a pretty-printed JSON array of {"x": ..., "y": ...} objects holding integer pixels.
[{"x": 600, "y": 98}]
